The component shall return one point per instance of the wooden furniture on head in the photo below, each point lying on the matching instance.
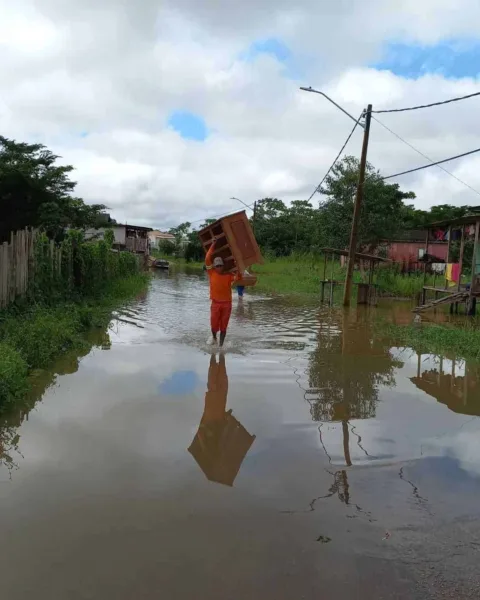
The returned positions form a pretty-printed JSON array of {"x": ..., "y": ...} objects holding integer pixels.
[{"x": 236, "y": 243}]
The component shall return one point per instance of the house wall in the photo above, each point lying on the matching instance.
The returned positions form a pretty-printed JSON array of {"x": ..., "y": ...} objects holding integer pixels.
[
  {"x": 118, "y": 232},
  {"x": 157, "y": 238},
  {"x": 408, "y": 251}
]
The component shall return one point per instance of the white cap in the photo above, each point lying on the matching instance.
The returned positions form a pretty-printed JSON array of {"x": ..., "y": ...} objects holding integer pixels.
[{"x": 218, "y": 261}]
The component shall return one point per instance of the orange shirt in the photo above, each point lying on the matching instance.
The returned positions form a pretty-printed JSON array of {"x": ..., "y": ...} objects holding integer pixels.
[{"x": 220, "y": 283}]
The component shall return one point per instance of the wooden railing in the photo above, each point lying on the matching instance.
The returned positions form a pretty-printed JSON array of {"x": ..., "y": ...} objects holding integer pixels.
[{"x": 136, "y": 244}]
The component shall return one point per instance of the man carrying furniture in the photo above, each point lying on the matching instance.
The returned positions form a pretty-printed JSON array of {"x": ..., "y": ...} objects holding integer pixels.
[{"x": 220, "y": 293}]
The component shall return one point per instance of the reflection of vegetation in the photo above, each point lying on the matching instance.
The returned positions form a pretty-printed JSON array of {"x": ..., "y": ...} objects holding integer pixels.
[
  {"x": 459, "y": 342},
  {"x": 346, "y": 370},
  {"x": 34, "y": 336},
  {"x": 39, "y": 382}
]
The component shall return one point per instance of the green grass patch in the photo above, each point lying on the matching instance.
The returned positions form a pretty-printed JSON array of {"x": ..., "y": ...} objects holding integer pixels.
[
  {"x": 302, "y": 274},
  {"x": 33, "y": 336}
]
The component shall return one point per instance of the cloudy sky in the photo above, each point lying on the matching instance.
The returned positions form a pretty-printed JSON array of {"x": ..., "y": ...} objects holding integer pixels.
[{"x": 167, "y": 108}]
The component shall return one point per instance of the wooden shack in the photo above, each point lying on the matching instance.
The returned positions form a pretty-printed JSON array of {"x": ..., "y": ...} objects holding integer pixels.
[
  {"x": 367, "y": 291},
  {"x": 236, "y": 244},
  {"x": 455, "y": 292}
]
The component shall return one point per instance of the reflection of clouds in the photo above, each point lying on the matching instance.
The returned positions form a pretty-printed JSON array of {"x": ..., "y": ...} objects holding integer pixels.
[{"x": 462, "y": 444}]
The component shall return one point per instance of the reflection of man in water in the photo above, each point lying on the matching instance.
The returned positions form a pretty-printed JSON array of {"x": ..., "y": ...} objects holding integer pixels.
[{"x": 221, "y": 442}]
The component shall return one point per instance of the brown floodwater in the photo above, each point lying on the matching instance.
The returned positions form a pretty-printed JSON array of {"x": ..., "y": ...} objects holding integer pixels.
[{"x": 311, "y": 459}]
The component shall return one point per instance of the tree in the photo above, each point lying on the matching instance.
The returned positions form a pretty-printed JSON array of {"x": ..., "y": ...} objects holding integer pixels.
[
  {"x": 36, "y": 192},
  {"x": 383, "y": 206},
  {"x": 273, "y": 226},
  {"x": 180, "y": 232},
  {"x": 194, "y": 249},
  {"x": 166, "y": 247},
  {"x": 419, "y": 219}
]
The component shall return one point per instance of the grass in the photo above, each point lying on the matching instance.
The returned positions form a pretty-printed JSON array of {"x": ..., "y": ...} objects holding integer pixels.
[
  {"x": 289, "y": 275},
  {"x": 302, "y": 274},
  {"x": 455, "y": 342},
  {"x": 32, "y": 337}
]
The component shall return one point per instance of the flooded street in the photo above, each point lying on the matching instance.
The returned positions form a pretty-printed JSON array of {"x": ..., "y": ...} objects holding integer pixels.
[{"x": 310, "y": 460}]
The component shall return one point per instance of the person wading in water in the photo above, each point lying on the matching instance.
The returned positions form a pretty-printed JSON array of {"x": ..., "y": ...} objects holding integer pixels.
[{"x": 220, "y": 293}]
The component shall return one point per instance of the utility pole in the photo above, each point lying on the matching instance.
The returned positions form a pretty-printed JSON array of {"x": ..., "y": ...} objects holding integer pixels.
[
  {"x": 254, "y": 216},
  {"x": 357, "y": 210}
]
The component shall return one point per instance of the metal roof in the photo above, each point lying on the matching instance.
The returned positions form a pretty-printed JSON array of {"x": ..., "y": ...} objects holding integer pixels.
[
  {"x": 468, "y": 220},
  {"x": 358, "y": 255}
]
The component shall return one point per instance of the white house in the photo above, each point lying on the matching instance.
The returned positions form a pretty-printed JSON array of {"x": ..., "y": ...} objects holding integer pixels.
[{"x": 156, "y": 237}]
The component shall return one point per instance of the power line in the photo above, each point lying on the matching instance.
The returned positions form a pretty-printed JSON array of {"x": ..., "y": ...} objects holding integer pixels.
[
  {"x": 425, "y": 156},
  {"x": 337, "y": 157},
  {"x": 433, "y": 164},
  {"x": 394, "y": 110}
]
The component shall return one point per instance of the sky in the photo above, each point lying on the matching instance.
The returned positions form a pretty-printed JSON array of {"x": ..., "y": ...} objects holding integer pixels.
[{"x": 170, "y": 108}]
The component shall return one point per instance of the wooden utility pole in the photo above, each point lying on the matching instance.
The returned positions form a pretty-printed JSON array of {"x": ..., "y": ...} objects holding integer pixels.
[
  {"x": 471, "y": 296},
  {"x": 254, "y": 215},
  {"x": 357, "y": 210}
]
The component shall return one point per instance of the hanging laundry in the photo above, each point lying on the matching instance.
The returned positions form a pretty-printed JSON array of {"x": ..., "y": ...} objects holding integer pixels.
[
  {"x": 456, "y": 272},
  {"x": 438, "y": 268},
  {"x": 446, "y": 236},
  {"x": 448, "y": 272},
  {"x": 452, "y": 273},
  {"x": 456, "y": 235}
]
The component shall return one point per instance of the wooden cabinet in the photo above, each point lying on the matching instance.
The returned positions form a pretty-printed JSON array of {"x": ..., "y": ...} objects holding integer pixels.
[{"x": 236, "y": 244}]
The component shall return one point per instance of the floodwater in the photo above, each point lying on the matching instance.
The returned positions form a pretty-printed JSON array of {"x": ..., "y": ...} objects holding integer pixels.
[{"x": 310, "y": 460}]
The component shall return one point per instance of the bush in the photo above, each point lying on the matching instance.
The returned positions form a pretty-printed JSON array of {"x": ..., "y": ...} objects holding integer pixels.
[
  {"x": 42, "y": 334},
  {"x": 78, "y": 268}
]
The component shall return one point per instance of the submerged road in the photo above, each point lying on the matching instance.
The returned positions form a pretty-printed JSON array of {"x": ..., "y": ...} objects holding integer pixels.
[{"x": 310, "y": 460}]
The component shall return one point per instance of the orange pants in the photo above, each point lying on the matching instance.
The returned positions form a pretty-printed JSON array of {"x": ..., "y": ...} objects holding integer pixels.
[{"x": 220, "y": 315}]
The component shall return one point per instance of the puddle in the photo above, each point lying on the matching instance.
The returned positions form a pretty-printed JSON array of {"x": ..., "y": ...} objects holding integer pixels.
[{"x": 154, "y": 464}]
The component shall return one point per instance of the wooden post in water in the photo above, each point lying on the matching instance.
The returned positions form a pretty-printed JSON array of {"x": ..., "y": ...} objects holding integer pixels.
[{"x": 346, "y": 443}]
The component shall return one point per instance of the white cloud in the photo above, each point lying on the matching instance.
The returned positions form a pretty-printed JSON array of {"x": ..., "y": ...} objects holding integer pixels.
[{"x": 116, "y": 72}]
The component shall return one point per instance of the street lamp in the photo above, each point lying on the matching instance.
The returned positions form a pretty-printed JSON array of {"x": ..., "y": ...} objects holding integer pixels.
[
  {"x": 352, "y": 248},
  {"x": 238, "y": 200},
  {"x": 310, "y": 89}
]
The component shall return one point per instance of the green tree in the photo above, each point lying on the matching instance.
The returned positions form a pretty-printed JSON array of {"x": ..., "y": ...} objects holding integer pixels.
[
  {"x": 383, "y": 206},
  {"x": 37, "y": 192},
  {"x": 166, "y": 247},
  {"x": 181, "y": 236}
]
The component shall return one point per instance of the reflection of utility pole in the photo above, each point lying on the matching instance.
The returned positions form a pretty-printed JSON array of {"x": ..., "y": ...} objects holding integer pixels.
[
  {"x": 357, "y": 210},
  {"x": 346, "y": 443}
]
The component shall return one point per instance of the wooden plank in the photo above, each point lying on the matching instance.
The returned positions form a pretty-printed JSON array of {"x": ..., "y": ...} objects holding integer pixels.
[{"x": 445, "y": 300}]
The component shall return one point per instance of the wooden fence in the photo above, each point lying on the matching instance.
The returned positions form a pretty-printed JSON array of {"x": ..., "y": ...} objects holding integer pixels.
[{"x": 16, "y": 266}]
